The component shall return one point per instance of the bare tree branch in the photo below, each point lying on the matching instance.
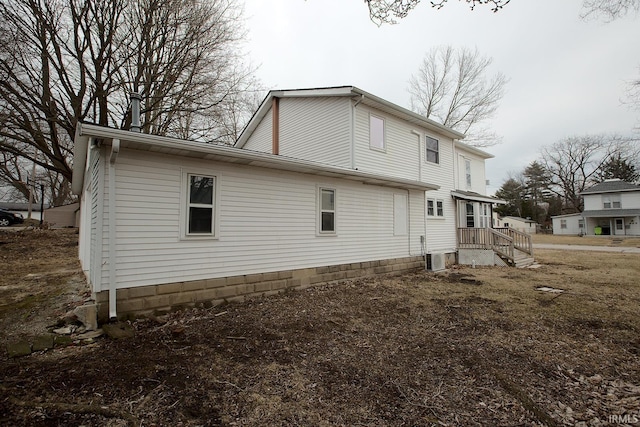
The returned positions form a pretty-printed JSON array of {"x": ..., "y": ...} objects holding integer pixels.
[{"x": 452, "y": 88}]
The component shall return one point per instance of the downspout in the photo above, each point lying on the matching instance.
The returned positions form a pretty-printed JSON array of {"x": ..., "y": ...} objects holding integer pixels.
[
  {"x": 115, "y": 149},
  {"x": 353, "y": 132},
  {"x": 275, "y": 117}
]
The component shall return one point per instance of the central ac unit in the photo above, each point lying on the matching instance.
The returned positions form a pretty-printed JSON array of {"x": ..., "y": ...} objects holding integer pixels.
[{"x": 436, "y": 262}]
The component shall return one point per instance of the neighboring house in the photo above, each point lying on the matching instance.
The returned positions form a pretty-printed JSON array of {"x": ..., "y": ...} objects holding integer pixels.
[
  {"x": 569, "y": 224},
  {"x": 322, "y": 185},
  {"x": 23, "y": 209},
  {"x": 63, "y": 216},
  {"x": 611, "y": 207},
  {"x": 524, "y": 225}
]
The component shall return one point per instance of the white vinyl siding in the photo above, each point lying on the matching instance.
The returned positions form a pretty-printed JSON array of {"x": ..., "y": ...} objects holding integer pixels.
[
  {"x": 470, "y": 173},
  {"x": 316, "y": 129},
  {"x": 261, "y": 138},
  {"x": 400, "y": 157},
  {"x": 267, "y": 222}
]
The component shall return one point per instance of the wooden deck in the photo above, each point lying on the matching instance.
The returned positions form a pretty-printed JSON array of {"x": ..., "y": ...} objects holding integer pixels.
[{"x": 513, "y": 246}]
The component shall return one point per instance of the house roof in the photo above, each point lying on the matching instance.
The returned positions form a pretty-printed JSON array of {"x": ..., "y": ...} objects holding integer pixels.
[
  {"x": 461, "y": 145},
  {"x": 517, "y": 218},
  {"x": 476, "y": 197},
  {"x": 607, "y": 213},
  {"x": 577, "y": 214},
  {"x": 611, "y": 186},
  {"x": 345, "y": 91},
  {"x": 221, "y": 153}
]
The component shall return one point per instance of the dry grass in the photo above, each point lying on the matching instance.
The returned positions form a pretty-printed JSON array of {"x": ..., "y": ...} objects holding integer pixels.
[
  {"x": 473, "y": 347},
  {"x": 587, "y": 240}
]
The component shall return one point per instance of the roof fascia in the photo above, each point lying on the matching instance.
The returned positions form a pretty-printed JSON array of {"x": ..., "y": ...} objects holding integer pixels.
[{"x": 466, "y": 147}]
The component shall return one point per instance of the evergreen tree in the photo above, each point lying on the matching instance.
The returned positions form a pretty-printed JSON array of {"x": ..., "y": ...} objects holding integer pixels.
[{"x": 620, "y": 168}]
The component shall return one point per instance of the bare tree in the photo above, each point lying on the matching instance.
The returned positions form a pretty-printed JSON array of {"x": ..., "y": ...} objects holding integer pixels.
[
  {"x": 387, "y": 11},
  {"x": 65, "y": 61},
  {"x": 609, "y": 9},
  {"x": 574, "y": 163},
  {"x": 453, "y": 88}
]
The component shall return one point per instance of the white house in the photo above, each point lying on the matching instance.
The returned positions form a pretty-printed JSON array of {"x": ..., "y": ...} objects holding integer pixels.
[
  {"x": 348, "y": 127},
  {"x": 569, "y": 224},
  {"x": 323, "y": 184},
  {"x": 611, "y": 207},
  {"x": 524, "y": 225}
]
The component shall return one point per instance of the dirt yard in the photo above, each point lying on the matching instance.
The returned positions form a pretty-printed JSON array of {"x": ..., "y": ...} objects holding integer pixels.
[{"x": 468, "y": 347}]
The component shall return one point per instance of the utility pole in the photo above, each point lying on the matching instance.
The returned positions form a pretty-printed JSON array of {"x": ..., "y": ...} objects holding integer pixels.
[{"x": 41, "y": 204}]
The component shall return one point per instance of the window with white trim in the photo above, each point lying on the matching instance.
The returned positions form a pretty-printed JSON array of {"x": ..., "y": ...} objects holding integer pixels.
[
  {"x": 563, "y": 223},
  {"x": 433, "y": 150},
  {"x": 611, "y": 201},
  {"x": 376, "y": 132},
  {"x": 581, "y": 223},
  {"x": 327, "y": 210},
  {"x": 200, "y": 205},
  {"x": 435, "y": 207}
]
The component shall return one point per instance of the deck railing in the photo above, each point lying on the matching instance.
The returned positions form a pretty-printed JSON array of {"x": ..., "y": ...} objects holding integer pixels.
[
  {"x": 487, "y": 238},
  {"x": 521, "y": 241}
]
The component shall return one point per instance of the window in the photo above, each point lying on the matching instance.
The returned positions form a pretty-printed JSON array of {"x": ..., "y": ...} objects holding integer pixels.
[
  {"x": 376, "y": 133},
  {"x": 580, "y": 223},
  {"x": 470, "y": 216},
  {"x": 327, "y": 204},
  {"x": 435, "y": 207},
  {"x": 611, "y": 201},
  {"x": 200, "y": 205},
  {"x": 467, "y": 172},
  {"x": 485, "y": 215},
  {"x": 433, "y": 151},
  {"x": 563, "y": 223}
]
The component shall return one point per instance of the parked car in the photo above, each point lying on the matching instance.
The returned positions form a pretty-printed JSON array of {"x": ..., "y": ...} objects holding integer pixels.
[{"x": 8, "y": 218}]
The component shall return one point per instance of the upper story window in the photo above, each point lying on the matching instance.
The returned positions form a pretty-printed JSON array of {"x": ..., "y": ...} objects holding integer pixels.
[
  {"x": 201, "y": 205},
  {"x": 376, "y": 132},
  {"x": 327, "y": 211},
  {"x": 433, "y": 150},
  {"x": 611, "y": 201},
  {"x": 467, "y": 172}
]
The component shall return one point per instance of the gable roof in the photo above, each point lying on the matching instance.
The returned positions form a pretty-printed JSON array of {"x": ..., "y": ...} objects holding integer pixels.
[
  {"x": 344, "y": 91},
  {"x": 611, "y": 186},
  {"x": 220, "y": 153}
]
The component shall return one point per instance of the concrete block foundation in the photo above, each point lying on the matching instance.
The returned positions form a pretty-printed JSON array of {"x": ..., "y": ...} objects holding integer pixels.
[{"x": 158, "y": 299}]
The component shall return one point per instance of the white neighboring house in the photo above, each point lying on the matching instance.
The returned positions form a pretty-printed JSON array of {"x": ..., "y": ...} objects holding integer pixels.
[
  {"x": 348, "y": 127},
  {"x": 611, "y": 207},
  {"x": 521, "y": 224},
  {"x": 569, "y": 224}
]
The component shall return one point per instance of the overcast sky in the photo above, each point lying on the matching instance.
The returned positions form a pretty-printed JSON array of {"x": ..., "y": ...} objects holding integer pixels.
[{"x": 567, "y": 76}]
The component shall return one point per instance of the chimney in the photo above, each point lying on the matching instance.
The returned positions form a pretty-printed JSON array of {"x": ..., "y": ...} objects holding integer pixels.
[{"x": 135, "y": 111}]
